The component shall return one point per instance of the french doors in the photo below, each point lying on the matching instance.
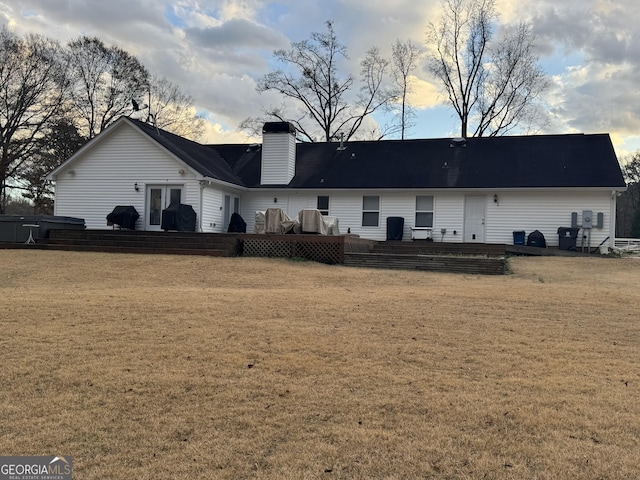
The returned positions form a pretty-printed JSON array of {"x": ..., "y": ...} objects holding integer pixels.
[{"x": 158, "y": 198}]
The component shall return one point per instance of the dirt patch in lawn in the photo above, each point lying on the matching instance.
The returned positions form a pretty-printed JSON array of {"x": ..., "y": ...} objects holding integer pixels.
[{"x": 177, "y": 367}]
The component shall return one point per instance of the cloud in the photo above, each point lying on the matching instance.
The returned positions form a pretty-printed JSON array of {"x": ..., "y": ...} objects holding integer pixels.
[
  {"x": 236, "y": 34},
  {"x": 423, "y": 94},
  {"x": 598, "y": 98},
  {"x": 215, "y": 133},
  {"x": 216, "y": 50}
]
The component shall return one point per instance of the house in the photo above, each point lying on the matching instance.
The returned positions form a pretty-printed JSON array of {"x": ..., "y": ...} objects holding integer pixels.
[{"x": 451, "y": 190}]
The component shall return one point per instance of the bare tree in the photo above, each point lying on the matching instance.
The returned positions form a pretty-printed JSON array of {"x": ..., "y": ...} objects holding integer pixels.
[
  {"x": 404, "y": 58},
  {"x": 171, "y": 109},
  {"x": 328, "y": 105},
  {"x": 32, "y": 90},
  {"x": 104, "y": 81},
  {"x": 493, "y": 84},
  {"x": 60, "y": 142},
  {"x": 628, "y": 205}
]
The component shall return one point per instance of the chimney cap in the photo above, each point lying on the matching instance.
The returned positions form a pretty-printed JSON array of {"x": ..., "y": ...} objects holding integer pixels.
[{"x": 278, "y": 127}]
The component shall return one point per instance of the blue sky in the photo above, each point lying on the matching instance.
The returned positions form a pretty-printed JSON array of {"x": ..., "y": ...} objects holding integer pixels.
[{"x": 216, "y": 50}]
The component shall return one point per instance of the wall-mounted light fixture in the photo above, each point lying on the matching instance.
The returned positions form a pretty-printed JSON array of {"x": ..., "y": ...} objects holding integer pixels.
[
  {"x": 495, "y": 199},
  {"x": 136, "y": 187},
  {"x": 275, "y": 199}
]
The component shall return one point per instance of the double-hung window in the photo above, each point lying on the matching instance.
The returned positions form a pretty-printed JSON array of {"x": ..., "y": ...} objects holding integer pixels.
[
  {"x": 323, "y": 204},
  {"x": 424, "y": 211},
  {"x": 370, "y": 211}
]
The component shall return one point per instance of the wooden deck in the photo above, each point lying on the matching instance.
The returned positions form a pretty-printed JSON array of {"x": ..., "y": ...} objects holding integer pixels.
[{"x": 349, "y": 250}]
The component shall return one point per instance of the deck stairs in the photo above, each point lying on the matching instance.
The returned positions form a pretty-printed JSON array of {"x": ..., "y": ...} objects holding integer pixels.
[{"x": 433, "y": 256}]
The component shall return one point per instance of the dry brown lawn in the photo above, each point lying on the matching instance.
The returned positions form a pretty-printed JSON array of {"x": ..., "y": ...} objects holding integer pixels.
[{"x": 177, "y": 367}]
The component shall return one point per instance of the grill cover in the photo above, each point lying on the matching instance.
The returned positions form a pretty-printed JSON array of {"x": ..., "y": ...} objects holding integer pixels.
[
  {"x": 237, "y": 224},
  {"x": 124, "y": 216},
  {"x": 536, "y": 239},
  {"x": 179, "y": 216}
]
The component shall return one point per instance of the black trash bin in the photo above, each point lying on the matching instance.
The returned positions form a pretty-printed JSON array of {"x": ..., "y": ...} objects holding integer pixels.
[
  {"x": 567, "y": 238},
  {"x": 518, "y": 237},
  {"x": 395, "y": 227}
]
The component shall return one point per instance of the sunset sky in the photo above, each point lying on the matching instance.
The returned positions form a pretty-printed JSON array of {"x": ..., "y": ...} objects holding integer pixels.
[{"x": 215, "y": 50}]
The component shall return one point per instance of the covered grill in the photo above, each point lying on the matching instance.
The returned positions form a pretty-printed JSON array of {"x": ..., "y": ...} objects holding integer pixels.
[
  {"x": 180, "y": 217},
  {"x": 125, "y": 216}
]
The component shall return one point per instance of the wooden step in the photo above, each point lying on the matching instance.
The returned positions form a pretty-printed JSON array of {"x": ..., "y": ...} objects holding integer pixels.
[
  {"x": 212, "y": 252},
  {"x": 187, "y": 243},
  {"x": 433, "y": 263},
  {"x": 438, "y": 248}
]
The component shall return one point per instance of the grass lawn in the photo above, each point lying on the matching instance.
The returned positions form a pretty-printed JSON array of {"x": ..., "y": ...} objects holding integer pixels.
[{"x": 179, "y": 367}]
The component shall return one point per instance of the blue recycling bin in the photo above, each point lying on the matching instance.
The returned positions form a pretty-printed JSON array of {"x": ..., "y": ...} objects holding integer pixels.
[{"x": 518, "y": 237}]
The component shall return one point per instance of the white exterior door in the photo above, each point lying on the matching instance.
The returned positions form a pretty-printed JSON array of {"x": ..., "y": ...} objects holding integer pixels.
[
  {"x": 296, "y": 203},
  {"x": 158, "y": 198},
  {"x": 474, "y": 213}
]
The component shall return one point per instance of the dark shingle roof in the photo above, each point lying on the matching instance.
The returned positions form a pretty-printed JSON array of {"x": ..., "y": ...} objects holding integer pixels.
[
  {"x": 494, "y": 162},
  {"x": 542, "y": 161},
  {"x": 201, "y": 158}
]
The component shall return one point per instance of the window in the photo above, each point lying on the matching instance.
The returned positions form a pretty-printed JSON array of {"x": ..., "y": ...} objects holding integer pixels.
[
  {"x": 424, "y": 211},
  {"x": 370, "y": 210},
  {"x": 323, "y": 204},
  {"x": 175, "y": 195}
]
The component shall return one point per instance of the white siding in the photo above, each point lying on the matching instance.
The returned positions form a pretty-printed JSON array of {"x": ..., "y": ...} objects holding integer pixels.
[
  {"x": 346, "y": 206},
  {"x": 545, "y": 211},
  {"x": 448, "y": 214},
  {"x": 252, "y": 202},
  {"x": 212, "y": 205},
  {"x": 278, "y": 158},
  {"x": 104, "y": 177}
]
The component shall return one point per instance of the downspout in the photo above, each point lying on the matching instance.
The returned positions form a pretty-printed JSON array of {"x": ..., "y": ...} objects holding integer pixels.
[
  {"x": 201, "y": 205},
  {"x": 612, "y": 223}
]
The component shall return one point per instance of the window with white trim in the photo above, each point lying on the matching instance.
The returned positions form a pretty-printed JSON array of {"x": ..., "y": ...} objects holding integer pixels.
[
  {"x": 323, "y": 204},
  {"x": 424, "y": 211},
  {"x": 370, "y": 211}
]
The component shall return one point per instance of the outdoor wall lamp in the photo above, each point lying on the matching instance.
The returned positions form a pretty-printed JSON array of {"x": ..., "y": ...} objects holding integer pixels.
[
  {"x": 495, "y": 198},
  {"x": 275, "y": 199},
  {"x": 136, "y": 187}
]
